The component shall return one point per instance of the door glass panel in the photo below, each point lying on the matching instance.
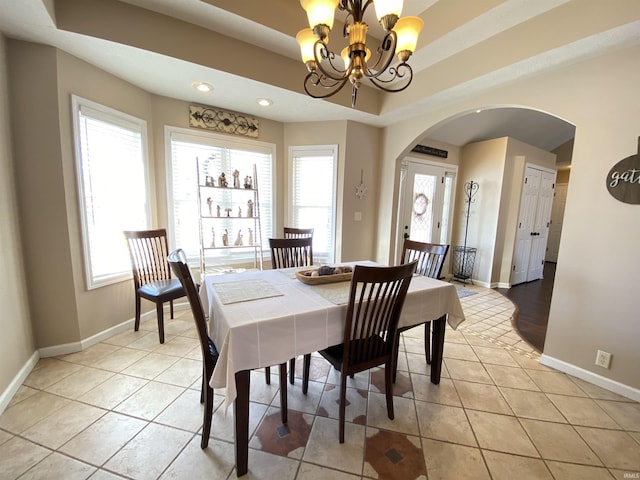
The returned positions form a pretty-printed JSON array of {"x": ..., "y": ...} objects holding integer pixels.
[
  {"x": 446, "y": 207},
  {"x": 424, "y": 187}
]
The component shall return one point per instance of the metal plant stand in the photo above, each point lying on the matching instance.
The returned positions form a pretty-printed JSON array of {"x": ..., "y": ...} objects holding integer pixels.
[{"x": 464, "y": 257}]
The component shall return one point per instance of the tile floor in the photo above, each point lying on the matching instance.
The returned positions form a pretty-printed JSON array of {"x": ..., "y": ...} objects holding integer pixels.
[{"x": 129, "y": 408}]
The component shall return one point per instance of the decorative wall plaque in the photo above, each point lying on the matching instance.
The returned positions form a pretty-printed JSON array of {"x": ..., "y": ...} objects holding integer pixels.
[
  {"x": 222, "y": 121},
  {"x": 623, "y": 181},
  {"x": 436, "y": 152}
]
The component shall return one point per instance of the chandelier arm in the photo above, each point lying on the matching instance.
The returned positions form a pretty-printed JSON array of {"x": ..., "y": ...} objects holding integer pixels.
[
  {"x": 326, "y": 54},
  {"x": 396, "y": 74},
  {"x": 386, "y": 51},
  {"x": 331, "y": 89}
]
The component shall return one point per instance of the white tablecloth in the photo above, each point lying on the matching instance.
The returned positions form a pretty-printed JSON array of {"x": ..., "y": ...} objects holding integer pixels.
[{"x": 269, "y": 331}]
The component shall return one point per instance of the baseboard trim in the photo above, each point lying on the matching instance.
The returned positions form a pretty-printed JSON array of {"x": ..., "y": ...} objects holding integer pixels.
[
  {"x": 16, "y": 383},
  {"x": 586, "y": 375}
]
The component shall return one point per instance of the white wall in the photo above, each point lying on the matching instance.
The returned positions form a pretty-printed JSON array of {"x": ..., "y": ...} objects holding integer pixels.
[{"x": 593, "y": 305}]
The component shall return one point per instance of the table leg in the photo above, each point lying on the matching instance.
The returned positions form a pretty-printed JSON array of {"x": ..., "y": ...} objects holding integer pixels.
[
  {"x": 437, "y": 348},
  {"x": 241, "y": 414}
]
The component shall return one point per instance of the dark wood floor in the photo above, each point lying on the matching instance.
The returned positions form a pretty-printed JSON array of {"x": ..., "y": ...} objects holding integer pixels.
[{"x": 533, "y": 300}]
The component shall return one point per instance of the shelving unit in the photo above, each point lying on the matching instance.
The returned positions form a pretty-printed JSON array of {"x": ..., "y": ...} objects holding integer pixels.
[{"x": 226, "y": 211}]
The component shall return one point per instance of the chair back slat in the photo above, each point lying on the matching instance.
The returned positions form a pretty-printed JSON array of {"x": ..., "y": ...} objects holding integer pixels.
[
  {"x": 148, "y": 250},
  {"x": 430, "y": 257},
  {"x": 375, "y": 301},
  {"x": 291, "y": 252},
  {"x": 291, "y": 232}
]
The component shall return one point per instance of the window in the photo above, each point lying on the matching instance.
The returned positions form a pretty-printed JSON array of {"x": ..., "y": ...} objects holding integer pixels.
[
  {"x": 312, "y": 197},
  {"x": 188, "y": 148},
  {"x": 111, "y": 162}
]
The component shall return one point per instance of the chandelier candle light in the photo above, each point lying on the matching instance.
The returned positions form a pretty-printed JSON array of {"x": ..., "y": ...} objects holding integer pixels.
[{"x": 326, "y": 76}]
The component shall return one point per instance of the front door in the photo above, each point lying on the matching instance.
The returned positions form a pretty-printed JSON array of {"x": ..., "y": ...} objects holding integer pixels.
[{"x": 427, "y": 204}]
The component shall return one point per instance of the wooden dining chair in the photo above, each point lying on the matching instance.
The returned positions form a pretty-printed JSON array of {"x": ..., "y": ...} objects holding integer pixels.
[
  {"x": 430, "y": 258},
  {"x": 178, "y": 262},
  {"x": 151, "y": 273},
  {"x": 375, "y": 302},
  {"x": 287, "y": 253},
  {"x": 291, "y": 232}
]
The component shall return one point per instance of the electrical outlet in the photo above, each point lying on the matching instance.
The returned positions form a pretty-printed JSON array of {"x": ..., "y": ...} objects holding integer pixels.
[{"x": 603, "y": 359}]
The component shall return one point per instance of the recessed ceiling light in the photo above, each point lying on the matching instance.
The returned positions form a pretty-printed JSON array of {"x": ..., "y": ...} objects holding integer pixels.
[
  {"x": 202, "y": 87},
  {"x": 265, "y": 102}
]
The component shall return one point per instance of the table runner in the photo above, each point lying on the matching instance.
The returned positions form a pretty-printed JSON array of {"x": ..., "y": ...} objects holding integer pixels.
[{"x": 235, "y": 292}]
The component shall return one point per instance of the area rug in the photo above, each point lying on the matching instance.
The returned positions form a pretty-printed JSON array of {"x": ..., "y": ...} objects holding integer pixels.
[{"x": 465, "y": 292}]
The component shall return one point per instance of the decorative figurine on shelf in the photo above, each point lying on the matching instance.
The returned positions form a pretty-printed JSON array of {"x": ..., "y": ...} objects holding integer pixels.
[
  {"x": 213, "y": 238},
  {"x": 218, "y": 210},
  {"x": 239, "y": 238},
  {"x": 209, "y": 204},
  {"x": 239, "y": 211},
  {"x": 228, "y": 212},
  {"x": 222, "y": 180},
  {"x": 250, "y": 237},
  {"x": 208, "y": 181},
  {"x": 225, "y": 238},
  {"x": 236, "y": 179},
  {"x": 249, "y": 208},
  {"x": 248, "y": 183}
]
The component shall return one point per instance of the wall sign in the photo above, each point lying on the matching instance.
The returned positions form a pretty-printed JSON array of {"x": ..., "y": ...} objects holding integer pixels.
[
  {"x": 623, "y": 181},
  {"x": 222, "y": 121},
  {"x": 436, "y": 152}
]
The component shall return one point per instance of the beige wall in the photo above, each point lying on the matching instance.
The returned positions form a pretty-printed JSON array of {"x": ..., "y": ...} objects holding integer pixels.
[
  {"x": 16, "y": 342},
  {"x": 589, "y": 311}
]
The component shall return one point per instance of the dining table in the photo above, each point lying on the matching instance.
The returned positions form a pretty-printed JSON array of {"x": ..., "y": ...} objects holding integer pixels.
[{"x": 260, "y": 318}]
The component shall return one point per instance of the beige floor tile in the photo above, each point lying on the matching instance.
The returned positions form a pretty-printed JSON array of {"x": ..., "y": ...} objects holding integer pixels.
[
  {"x": 59, "y": 427},
  {"x": 127, "y": 337},
  {"x": 560, "y": 442},
  {"x": 323, "y": 447},
  {"x": 100, "y": 441},
  {"x": 570, "y": 471},
  {"x": 177, "y": 346},
  {"x": 177, "y": 326},
  {"x": 477, "y": 340},
  {"x": 296, "y": 400},
  {"x": 104, "y": 475},
  {"x": 443, "y": 393},
  {"x": 115, "y": 390},
  {"x": 616, "y": 449},
  {"x": 360, "y": 380},
  {"x": 528, "y": 404},
  {"x": 120, "y": 359},
  {"x": 465, "y": 370},
  {"x": 501, "y": 433},
  {"x": 356, "y": 409},
  {"x": 446, "y": 461},
  {"x": 30, "y": 411},
  {"x": 222, "y": 424},
  {"x": 150, "y": 452},
  {"x": 260, "y": 391},
  {"x": 91, "y": 354},
  {"x": 186, "y": 412},
  {"x": 182, "y": 373},
  {"x": 5, "y": 436},
  {"x": 504, "y": 376},
  {"x": 265, "y": 466},
  {"x": 150, "y": 400},
  {"x": 416, "y": 363},
  {"x": 495, "y": 355},
  {"x": 53, "y": 371},
  {"x": 459, "y": 351},
  {"x": 149, "y": 342},
  {"x": 506, "y": 467},
  {"x": 623, "y": 474},
  {"x": 23, "y": 393},
  {"x": 79, "y": 383},
  {"x": 582, "y": 411},
  {"x": 404, "y": 410},
  {"x": 529, "y": 363},
  {"x": 555, "y": 382},
  {"x": 626, "y": 414},
  {"x": 597, "y": 392},
  {"x": 479, "y": 396},
  {"x": 213, "y": 463},
  {"x": 150, "y": 366},
  {"x": 443, "y": 422},
  {"x": 59, "y": 466},
  {"x": 309, "y": 471},
  {"x": 19, "y": 455}
]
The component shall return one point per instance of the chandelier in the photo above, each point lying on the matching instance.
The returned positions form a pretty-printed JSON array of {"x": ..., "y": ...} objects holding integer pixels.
[{"x": 327, "y": 75}]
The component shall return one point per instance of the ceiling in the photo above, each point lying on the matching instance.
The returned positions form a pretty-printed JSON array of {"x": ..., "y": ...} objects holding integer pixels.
[{"x": 246, "y": 50}]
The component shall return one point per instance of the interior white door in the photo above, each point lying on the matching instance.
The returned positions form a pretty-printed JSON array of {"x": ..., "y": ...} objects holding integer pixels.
[
  {"x": 541, "y": 226},
  {"x": 557, "y": 218}
]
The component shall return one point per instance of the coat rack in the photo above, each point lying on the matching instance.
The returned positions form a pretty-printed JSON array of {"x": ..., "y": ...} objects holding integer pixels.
[{"x": 464, "y": 257}]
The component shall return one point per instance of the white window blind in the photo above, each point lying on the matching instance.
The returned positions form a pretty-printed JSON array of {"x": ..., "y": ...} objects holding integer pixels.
[
  {"x": 187, "y": 149},
  {"x": 312, "y": 197},
  {"x": 111, "y": 163}
]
